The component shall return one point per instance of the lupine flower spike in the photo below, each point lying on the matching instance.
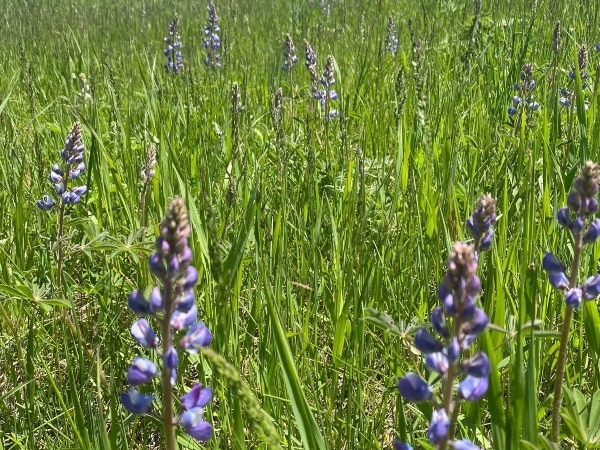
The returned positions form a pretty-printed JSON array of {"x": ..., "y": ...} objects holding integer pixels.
[
  {"x": 69, "y": 170},
  {"x": 310, "y": 62},
  {"x": 391, "y": 40},
  {"x": 456, "y": 324},
  {"x": 524, "y": 100},
  {"x": 173, "y": 307},
  {"x": 326, "y": 94},
  {"x": 212, "y": 41},
  {"x": 173, "y": 48},
  {"x": 578, "y": 218},
  {"x": 289, "y": 54},
  {"x": 481, "y": 222},
  {"x": 567, "y": 94}
]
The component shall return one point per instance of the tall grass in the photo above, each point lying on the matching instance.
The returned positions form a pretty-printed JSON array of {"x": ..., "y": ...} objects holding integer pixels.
[{"x": 357, "y": 219}]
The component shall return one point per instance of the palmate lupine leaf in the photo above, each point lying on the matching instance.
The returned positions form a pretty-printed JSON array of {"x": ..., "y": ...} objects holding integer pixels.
[{"x": 582, "y": 416}]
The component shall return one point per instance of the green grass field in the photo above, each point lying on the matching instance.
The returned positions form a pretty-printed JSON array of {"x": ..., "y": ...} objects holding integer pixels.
[{"x": 323, "y": 233}]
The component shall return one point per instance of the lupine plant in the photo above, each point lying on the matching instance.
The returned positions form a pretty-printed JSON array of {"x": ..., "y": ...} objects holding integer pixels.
[
  {"x": 523, "y": 101},
  {"x": 567, "y": 98},
  {"x": 289, "y": 54},
  {"x": 173, "y": 308},
  {"x": 61, "y": 175},
  {"x": 457, "y": 322},
  {"x": 212, "y": 41},
  {"x": 326, "y": 95},
  {"x": 173, "y": 48},
  {"x": 310, "y": 62},
  {"x": 578, "y": 218}
]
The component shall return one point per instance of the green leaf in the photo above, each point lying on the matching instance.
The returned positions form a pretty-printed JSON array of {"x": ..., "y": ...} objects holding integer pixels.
[
  {"x": 306, "y": 423},
  {"x": 381, "y": 320}
]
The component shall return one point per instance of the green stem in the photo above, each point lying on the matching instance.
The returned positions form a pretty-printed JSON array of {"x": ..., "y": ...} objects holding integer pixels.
[
  {"x": 562, "y": 354},
  {"x": 167, "y": 388},
  {"x": 292, "y": 100},
  {"x": 59, "y": 243},
  {"x": 447, "y": 403},
  {"x": 143, "y": 205},
  {"x": 571, "y": 120},
  {"x": 451, "y": 409}
]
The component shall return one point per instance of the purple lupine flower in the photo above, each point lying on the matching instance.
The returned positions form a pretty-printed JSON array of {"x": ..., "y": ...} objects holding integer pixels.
[
  {"x": 477, "y": 323},
  {"x": 391, "y": 40},
  {"x": 399, "y": 445},
  {"x": 186, "y": 301},
  {"x": 464, "y": 444},
  {"x": 453, "y": 350},
  {"x": 197, "y": 397},
  {"x": 477, "y": 366},
  {"x": 591, "y": 287},
  {"x": 558, "y": 280},
  {"x": 436, "y": 362},
  {"x": 551, "y": 263},
  {"x": 473, "y": 388},
  {"x": 155, "y": 301},
  {"x": 173, "y": 46},
  {"x": 289, "y": 54},
  {"x": 438, "y": 427},
  {"x": 173, "y": 304},
  {"x": 141, "y": 371},
  {"x": 138, "y": 304},
  {"x": 413, "y": 388},
  {"x": 198, "y": 335},
  {"x": 193, "y": 422},
  {"x": 573, "y": 297},
  {"x": 565, "y": 102},
  {"x": 143, "y": 333},
  {"x": 426, "y": 343},
  {"x": 46, "y": 203},
  {"x": 135, "y": 402},
  {"x": 439, "y": 322},
  {"x": 156, "y": 264},
  {"x": 171, "y": 361},
  {"x": 73, "y": 165},
  {"x": 212, "y": 41},
  {"x": 593, "y": 232},
  {"x": 182, "y": 320}
]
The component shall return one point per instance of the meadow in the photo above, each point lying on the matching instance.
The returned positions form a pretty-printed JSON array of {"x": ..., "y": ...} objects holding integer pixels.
[{"x": 320, "y": 230}]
